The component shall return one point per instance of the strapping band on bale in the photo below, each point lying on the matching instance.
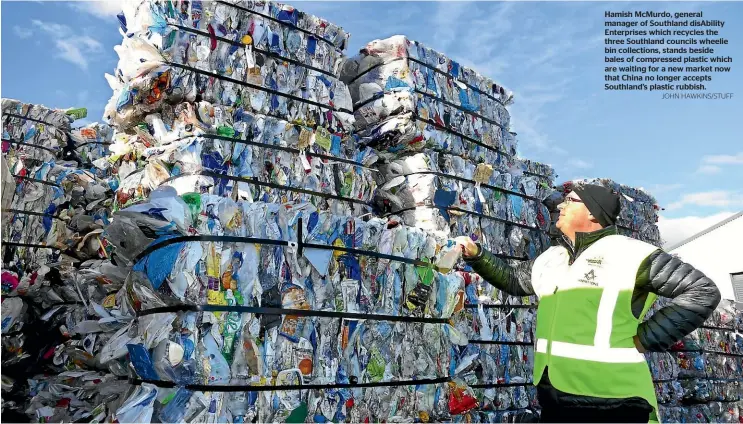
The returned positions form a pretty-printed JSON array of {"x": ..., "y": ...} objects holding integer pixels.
[
  {"x": 450, "y": 104},
  {"x": 35, "y": 146},
  {"x": 254, "y": 86},
  {"x": 459, "y": 134},
  {"x": 289, "y": 24},
  {"x": 255, "y": 181},
  {"x": 290, "y": 312},
  {"x": 454, "y": 177},
  {"x": 380, "y": 95},
  {"x": 471, "y": 87},
  {"x": 710, "y": 327},
  {"x": 496, "y": 385},
  {"x": 255, "y": 49},
  {"x": 103, "y": 143},
  {"x": 30, "y": 119},
  {"x": 36, "y": 181},
  {"x": 371, "y": 68},
  {"x": 24, "y": 212},
  {"x": 250, "y": 388},
  {"x": 486, "y": 306},
  {"x": 498, "y": 342},
  {"x": 377, "y": 96},
  {"x": 448, "y": 152},
  {"x": 282, "y": 148},
  {"x": 480, "y": 215},
  {"x": 300, "y": 246}
]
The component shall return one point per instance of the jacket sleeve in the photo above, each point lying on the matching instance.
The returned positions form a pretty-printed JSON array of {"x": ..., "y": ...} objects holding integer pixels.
[
  {"x": 515, "y": 281},
  {"x": 694, "y": 296}
]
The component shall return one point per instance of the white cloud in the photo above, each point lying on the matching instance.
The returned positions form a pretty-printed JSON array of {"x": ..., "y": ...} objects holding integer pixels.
[
  {"x": 709, "y": 169},
  {"x": 23, "y": 32},
  {"x": 579, "y": 163},
  {"x": 724, "y": 159},
  {"x": 715, "y": 198},
  {"x": 52, "y": 28},
  {"x": 74, "y": 48},
  {"x": 675, "y": 230},
  {"x": 658, "y": 189},
  {"x": 104, "y": 9}
]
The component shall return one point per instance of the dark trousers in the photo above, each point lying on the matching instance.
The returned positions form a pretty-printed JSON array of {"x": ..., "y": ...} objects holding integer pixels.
[
  {"x": 561, "y": 407},
  {"x": 567, "y": 414}
]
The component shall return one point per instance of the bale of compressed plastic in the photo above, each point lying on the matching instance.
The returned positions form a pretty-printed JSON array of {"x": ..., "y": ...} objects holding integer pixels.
[
  {"x": 265, "y": 57},
  {"x": 399, "y": 86},
  {"x": 226, "y": 152}
]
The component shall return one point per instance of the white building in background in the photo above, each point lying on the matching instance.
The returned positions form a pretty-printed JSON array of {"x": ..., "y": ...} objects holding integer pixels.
[{"x": 718, "y": 253}]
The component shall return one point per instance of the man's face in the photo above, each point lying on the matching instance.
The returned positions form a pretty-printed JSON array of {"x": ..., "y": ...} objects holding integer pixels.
[{"x": 574, "y": 215}]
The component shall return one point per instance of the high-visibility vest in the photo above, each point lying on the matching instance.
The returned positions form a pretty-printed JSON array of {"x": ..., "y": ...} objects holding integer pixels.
[{"x": 585, "y": 324}]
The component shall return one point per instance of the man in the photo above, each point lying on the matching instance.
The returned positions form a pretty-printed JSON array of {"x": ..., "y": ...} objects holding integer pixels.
[{"x": 594, "y": 288}]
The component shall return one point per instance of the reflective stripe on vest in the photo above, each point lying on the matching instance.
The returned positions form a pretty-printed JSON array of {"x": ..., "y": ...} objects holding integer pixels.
[{"x": 617, "y": 355}]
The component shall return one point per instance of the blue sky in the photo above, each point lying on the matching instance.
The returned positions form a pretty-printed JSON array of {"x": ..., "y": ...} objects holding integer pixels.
[{"x": 686, "y": 152}]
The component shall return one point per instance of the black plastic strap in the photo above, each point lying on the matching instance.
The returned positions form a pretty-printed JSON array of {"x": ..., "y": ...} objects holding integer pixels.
[
  {"x": 224, "y": 239},
  {"x": 505, "y": 221},
  {"x": 261, "y": 51},
  {"x": 709, "y": 327},
  {"x": 473, "y": 88},
  {"x": 448, "y": 152},
  {"x": 458, "y": 134},
  {"x": 253, "y": 86},
  {"x": 250, "y": 388},
  {"x": 36, "y": 181},
  {"x": 35, "y": 146},
  {"x": 368, "y": 253},
  {"x": 496, "y": 385},
  {"x": 293, "y": 312},
  {"x": 255, "y": 181},
  {"x": 713, "y": 352},
  {"x": 371, "y": 68},
  {"x": 29, "y": 119},
  {"x": 282, "y": 148},
  {"x": 491, "y": 306},
  {"x": 24, "y": 212},
  {"x": 357, "y": 106},
  {"x": 498, "y": 342},
  {"x": 534, "y": 174},
  {"x": 301, "y": 245},
  {"x": 103, "y": 143},
  {"x": 317, "y": 37},
  {"x": 66, "y": 303},
  {"x": 450, "y": 104},
  {"x": 455, "y": 177},
  {"x": 41, "y": 246}
]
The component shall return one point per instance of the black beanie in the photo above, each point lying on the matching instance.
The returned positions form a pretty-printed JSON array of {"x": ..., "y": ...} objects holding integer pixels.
[{"x": 601, "y": 202}]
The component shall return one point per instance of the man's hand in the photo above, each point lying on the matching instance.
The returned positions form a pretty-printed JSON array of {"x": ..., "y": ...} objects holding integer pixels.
[
  {"x": 469, "y": 247},
  {"x": 638, "y": 345}
]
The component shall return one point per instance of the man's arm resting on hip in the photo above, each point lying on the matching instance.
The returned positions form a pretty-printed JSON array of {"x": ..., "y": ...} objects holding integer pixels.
[
  {"x": 515, "y": 281},
  {"x": 695, "y": 298}
]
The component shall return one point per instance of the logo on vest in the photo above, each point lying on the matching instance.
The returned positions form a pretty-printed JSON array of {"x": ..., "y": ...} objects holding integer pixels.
[
  {"x": 589, "y": 278},
  {"x": 596, "y": 262}
]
